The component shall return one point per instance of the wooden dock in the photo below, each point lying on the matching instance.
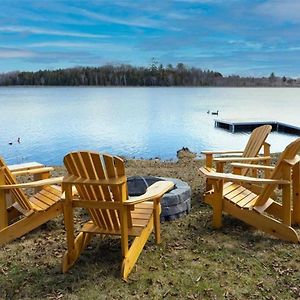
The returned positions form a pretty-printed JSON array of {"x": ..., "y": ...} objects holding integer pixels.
[{"x": 240, "y": 126}]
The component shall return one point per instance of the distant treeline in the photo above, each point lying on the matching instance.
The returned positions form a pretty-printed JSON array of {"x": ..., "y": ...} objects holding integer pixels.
[{"x": 127, "y": 75}]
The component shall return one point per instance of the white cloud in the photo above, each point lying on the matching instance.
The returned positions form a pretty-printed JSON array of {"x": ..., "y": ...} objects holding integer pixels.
[
  {"x": 287, "y": 10},
  {"x": 138, "y": 19},
  {"x": 15, "y": 53},
  {"x": 245, "y": 44},
  {"x": 177, "y": 16},
  {"x": 138, "y": 22},
  {"x": 64, "y": 44},
  {"x": 34, "y": 30},
  {"x": 58, "y": 44}
]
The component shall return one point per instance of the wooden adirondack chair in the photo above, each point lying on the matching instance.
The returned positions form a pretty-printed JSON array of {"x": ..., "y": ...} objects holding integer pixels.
[
  {"x": 256, "y": 141},
  {"x": 260, "y": 210},
  {"x": 26, "y": 213},
  {"x": 101, "y": 184}
]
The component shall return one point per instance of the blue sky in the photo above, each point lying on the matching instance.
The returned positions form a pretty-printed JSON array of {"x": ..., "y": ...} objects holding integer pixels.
[{"x": 246, "y": 37}]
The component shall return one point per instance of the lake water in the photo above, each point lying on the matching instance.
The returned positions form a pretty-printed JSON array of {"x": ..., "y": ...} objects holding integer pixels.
[{"x": 134, "y": 122}]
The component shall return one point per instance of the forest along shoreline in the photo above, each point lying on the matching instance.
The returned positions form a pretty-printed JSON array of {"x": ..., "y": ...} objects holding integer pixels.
[{"x": 128, "y": 76}]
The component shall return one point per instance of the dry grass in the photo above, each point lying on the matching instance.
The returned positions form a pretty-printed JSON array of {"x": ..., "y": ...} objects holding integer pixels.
[{"x": 193, "y": 262}]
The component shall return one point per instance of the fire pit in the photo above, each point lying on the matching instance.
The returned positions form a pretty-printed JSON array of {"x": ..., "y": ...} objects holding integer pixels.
[{"x": 174, "y": 204}]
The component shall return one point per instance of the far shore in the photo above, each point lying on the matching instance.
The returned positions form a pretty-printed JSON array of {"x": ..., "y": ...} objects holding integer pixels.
[{"x": 151, "y": 87}]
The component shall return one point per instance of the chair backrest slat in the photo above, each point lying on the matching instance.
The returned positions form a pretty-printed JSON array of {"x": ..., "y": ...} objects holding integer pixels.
[
  {"x": 18, "y": 194},
  {"x": 120, "y": 167},
  {"x": 116, "y": 191},
  {"x": 74, "y": 167},
  {"x": 289, "y": 153},
  {"x": 255, "y": 142},
  {"x": 102, "y": 217},
  {"x": 90, "y": 165}
]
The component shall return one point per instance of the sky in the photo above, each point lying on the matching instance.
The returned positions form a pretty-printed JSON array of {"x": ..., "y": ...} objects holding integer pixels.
[{"x": 244, "y": 37}]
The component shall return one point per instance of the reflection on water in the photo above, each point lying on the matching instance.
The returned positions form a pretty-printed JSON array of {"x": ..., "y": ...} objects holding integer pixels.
[{"x": 134, "y": 122}]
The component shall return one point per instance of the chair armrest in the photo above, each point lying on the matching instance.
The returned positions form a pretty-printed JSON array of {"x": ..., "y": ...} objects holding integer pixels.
[
  {"x": 209, "y": 155},
  {"x": 33, "y": 171},
  {"x": 222, "y": 152},
  {"x": 240, "y": 178},
  {"x": 50, "y": 181},
  {"x": 234, "y": 159},
  {"x": 25, "y": 166},
  {"x": 155, "y": 191},
  {"x": 252, "y": 166},
  {"x": 293, "y": 161}
]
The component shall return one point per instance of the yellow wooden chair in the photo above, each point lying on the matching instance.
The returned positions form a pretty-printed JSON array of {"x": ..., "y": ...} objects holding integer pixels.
[
  {"x": 256, "y": 141},
  {"x": 102, "y": 188},
  {"x": 260, "y": 209},
  {"x": 26, "y": 213}
]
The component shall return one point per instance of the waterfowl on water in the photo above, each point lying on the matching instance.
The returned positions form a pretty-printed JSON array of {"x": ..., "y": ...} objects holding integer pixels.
[{"x": 215, "y": 112}]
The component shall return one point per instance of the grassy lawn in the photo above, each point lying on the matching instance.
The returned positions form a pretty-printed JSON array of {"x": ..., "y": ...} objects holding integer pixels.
[{"x": 193, "y": 261}]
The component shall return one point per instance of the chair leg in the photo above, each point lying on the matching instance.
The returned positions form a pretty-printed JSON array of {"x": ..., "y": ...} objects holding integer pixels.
[
  {"x": 156, "y": 216},
  {"x": 296, "y": 195},
  {"x": 217, "y": 204},
  {"x": 3, "y": 210},
  {"x": 263, "y": 222},
  {"x": 71, "y": 255},
  {"x": 208, "y": 186},
  {"x": 217, "y": 216},
  {"x": 135, "y": 250},
  {"x": 74, "y": 245}
]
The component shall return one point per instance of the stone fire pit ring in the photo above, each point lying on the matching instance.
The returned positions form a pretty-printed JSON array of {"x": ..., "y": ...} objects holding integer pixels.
[{"x": 174, "y": 204}]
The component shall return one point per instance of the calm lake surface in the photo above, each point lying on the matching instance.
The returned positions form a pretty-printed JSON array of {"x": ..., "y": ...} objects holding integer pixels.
[{"x": 134, "y": 122}]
